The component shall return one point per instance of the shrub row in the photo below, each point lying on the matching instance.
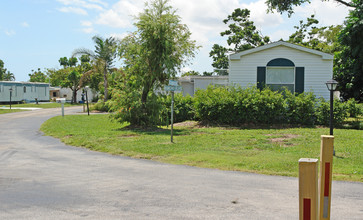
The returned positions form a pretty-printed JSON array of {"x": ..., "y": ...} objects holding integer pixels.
[{"x": 236, "y": 106}]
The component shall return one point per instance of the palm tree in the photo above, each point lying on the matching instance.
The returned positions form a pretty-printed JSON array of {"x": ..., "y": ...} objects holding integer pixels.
[
  {"x": 104, "y": 55},
  {"x": 9, "y": 76}
]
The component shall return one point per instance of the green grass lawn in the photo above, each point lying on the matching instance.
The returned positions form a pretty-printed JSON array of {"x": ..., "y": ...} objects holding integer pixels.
[
  {"x": 41, "y": 105},
  {"x": 266, "y": 151},
  {"x": 4, "y": 111}
]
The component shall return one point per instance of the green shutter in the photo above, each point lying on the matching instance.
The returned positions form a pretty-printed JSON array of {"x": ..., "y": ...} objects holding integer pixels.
[
  {"x": 299, "y": 79},
  {"x": 261, "y": 77}
]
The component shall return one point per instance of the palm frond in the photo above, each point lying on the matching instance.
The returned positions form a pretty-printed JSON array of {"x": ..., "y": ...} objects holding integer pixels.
[{"x": 83, "y": 51}]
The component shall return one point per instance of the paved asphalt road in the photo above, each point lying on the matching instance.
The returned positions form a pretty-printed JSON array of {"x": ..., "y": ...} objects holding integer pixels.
[{"x": 41, "y": 178}]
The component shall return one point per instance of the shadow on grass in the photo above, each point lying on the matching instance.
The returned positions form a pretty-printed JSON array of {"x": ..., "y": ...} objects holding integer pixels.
[
  {"x": 155, "y": 131},
  {"x": 252, "y": 126}
]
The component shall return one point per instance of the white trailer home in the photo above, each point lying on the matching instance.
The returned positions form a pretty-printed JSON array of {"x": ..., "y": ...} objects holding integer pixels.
[
  {"x": 23, "y": 91},
  {"x": 282, "y": 64}
]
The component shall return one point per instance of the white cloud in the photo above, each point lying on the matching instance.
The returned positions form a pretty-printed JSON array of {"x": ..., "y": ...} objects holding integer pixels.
[
  {"x": 119, "y": 36},
  {"x": 83, "y": 4},
  {"x": 88, "y": 30},
  {"x": 10, "y": 32},
  {"x": 280, "y": 34},
  {"x": 327, "y": 12},
  {"x": 86, "y": 23},
  {"x": 25, "y": 24},
  {"x": 74, "y": 10},
  {"x": 120, "y": 14}
]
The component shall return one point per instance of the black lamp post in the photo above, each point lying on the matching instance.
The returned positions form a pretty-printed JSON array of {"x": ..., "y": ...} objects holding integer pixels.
[
  {"x": 11, "y": 93},
  {"x": 332, "y": 86}
]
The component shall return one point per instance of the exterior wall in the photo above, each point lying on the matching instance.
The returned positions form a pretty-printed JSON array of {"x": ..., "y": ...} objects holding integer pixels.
[
  {"x": 193, "y": 83},
  {"x": 317, "y": 71},
  {"x": 67, "y": 93},
  {"x": 188, "y": 88},
  {"x": 23, "y": 91}
]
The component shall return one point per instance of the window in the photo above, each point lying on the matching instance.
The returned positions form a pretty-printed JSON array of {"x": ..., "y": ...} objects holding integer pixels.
[
  {"x": 279, "y": 73},
  {"x": 279, "y": 77},
  {"x": 24, "y": 89}
]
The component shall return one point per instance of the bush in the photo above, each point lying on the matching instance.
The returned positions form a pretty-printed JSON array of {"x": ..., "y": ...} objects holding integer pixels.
[
  {"x": 322, "y": 112},
  {"x": 300, "y": 109},
  {"x": 100, "y": 106},
  {"x": 183, "y": 108},
  {"x": 229, "y": 105},
  {"x": 354, "y": 108}
]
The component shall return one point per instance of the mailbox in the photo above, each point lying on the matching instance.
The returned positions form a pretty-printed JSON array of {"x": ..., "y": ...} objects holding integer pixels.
[{"x": 61, "y": 100}]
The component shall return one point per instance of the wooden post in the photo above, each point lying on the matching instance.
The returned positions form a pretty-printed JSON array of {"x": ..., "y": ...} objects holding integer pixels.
[
  {"x": 308, "y": 189},
  {"x": 325, "y": 176}
]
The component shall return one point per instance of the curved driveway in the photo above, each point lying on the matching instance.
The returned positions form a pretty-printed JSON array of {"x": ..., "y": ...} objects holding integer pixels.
[{"x": 41, "y": 178}]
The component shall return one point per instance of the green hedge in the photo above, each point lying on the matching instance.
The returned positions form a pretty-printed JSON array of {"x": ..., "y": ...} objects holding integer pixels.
[{"x": 236, "y": 106}]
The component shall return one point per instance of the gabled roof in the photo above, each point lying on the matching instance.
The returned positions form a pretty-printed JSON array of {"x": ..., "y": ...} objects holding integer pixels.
[{"x": 237, "y": 56}]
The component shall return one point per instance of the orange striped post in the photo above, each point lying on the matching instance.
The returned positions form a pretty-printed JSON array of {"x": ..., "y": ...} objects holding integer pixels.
[
  {"x": 308, "y": 189},
  {"x": 325, "y": 176}
]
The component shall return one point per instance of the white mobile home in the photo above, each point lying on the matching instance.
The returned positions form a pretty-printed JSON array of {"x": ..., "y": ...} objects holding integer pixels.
[
  {"x": 23, "y": 91},
  {"x": 191, "y": 84},
  {"x": 282, "y": 64}
]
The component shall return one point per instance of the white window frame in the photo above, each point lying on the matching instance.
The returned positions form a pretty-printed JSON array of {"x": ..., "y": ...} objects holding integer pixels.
[{"x": 281, "y": 67}]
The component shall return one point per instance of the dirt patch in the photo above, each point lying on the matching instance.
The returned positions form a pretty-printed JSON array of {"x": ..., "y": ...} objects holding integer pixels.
[
  {"x": 284, "y": 139},
  {"x": 128, "y": 135},
  {"x": 190, "y": 124}
]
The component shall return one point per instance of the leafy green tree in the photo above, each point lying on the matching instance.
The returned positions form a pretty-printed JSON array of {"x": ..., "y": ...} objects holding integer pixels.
[
  {"x": 287, "y": 5},
  {"x": 2, "y": 70},
  {"x": 63, "y": 61},
  {"x": 309, "y": 35},
  {"x": 219, "y": 56},
  {"x": 348, "y": 70},
  {"x": 152, "y": 55},
  {"x": 191, "y": 73},
  {"x": 241, "y": 35},
  {"x": 38, "y": 76},
  {"x": 103, "y": 56},
  {"x": 5, "y": 74}
]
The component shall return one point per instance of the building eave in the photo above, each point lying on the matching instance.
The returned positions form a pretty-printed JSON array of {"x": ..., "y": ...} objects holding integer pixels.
[{"x": 238, "y": 55}]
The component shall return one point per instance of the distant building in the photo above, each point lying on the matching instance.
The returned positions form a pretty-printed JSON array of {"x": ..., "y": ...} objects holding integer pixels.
[
  {"x": 23, "y": 91},
  {"x": 58, "y": 92},
  {"x": 191, "y": 84}
]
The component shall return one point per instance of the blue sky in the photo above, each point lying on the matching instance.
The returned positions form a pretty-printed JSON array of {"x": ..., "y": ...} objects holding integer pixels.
[{"x": 36, "y": 33}]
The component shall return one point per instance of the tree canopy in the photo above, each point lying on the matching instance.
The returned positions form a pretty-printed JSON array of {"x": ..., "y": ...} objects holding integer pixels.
[
  {"x": 348, "y": 70},
  {"x": 288, "y": 5},
  {"x": 5, "y": 74},
  {"x": 241, "y": 35},
  {"x": 103, "y": 56},
  {"x": 38, "y": 76},
  {"x": 152, "y": 55}
]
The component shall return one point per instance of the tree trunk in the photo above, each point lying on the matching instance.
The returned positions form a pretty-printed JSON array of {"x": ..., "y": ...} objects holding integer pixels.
[
  {"x": 74, "y": 95},
  {"x": 105, "y": 84}
]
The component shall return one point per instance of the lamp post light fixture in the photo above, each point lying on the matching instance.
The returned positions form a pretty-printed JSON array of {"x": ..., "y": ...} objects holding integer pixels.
[
  {"x": 332, "y": 86},
  {"x": 11, "y": 93}
]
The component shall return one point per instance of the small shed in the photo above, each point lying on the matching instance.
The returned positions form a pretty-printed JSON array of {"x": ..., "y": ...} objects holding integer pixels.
[
  {"x": 23, "y": 91},
  {"x": 281, "y": 64}
]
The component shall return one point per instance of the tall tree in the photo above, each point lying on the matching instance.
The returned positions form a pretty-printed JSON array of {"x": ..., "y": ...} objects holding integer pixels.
[
  {"x": 104, "y": 56},
  {"x": 348, "y": 70},
  {"x": 308, "y": 34},
  {"x": 38, "y": 76},
  {"x": 241, "y": 34},
  {"x": 153, "y": 54}
]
